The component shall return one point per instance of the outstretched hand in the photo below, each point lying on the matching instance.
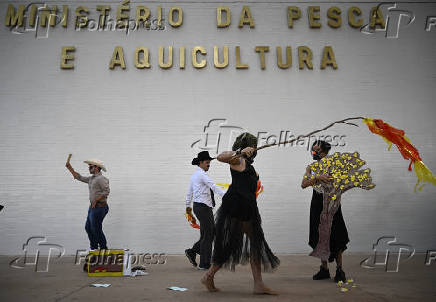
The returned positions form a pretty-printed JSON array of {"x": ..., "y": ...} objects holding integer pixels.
[
  {"x": 67, "y": 164},
  {"x": 248, "y": 152}
]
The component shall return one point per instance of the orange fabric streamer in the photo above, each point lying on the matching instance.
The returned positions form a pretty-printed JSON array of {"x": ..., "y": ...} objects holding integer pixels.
[
  {"x": 259, "y": 188},
  {"x": 409, "y": 152},
  {"x": 192, "y": 221}
]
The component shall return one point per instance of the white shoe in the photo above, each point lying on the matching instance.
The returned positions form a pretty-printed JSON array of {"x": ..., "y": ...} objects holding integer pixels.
[{"x": 202, "y": 268}]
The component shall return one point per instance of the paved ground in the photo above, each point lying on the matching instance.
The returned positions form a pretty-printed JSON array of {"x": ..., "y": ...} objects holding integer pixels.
[{"x": 66, "y": 282}]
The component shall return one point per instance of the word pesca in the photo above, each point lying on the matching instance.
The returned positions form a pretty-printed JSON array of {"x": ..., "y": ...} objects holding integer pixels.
[{"x": 141, "y": 57}]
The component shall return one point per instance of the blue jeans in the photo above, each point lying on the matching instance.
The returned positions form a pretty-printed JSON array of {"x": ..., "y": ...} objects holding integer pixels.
[{"x": 94, "y": 227}]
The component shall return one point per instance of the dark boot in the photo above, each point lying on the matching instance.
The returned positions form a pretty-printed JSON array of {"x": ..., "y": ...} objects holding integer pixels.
[
  {"x": 322, "y": 274},
  {"x": 190, "y": 254},
  {"x": 340, "y": 275}
]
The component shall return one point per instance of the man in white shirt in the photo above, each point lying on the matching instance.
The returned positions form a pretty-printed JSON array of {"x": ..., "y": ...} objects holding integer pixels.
[{"x": 201, "y": 190}]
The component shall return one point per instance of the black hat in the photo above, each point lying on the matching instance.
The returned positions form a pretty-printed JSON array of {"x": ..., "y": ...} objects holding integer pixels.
[{"x": 203, "y": 155}]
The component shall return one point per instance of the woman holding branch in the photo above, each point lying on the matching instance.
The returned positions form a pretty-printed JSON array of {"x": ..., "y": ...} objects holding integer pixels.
[{"x": 239, "y": 235}]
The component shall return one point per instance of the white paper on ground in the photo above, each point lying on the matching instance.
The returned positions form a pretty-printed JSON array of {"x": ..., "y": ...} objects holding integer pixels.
[
  {"x": 100, "y": 285},
  {"x": 138, "y": 273},
  {"x": 181, "y": 289}
]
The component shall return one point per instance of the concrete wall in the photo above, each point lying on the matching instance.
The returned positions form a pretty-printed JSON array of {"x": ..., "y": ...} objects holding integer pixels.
[{"x": 142, "y": 123}]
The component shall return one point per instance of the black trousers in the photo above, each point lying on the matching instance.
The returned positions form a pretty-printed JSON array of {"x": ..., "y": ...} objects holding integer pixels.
[{"x": 203, "y": 246}]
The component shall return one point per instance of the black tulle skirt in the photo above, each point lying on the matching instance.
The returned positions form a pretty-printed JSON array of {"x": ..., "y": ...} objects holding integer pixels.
[{"x": 239, "y": 235}]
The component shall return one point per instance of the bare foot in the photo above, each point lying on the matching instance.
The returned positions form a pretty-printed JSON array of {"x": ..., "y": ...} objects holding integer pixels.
[
  {"x": 263, "y": 290},
  {"x": 208, "y": 282}
]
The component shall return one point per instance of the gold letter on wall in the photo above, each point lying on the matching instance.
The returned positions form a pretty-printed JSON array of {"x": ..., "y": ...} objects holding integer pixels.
[
  {"x": 65, "y": 57},
  {"x": 376, "y": 18},
  {"x": 142, "y": 16},
  {"x": 117, "y": 58},
  {"x": 304, "y": 57},
  {"x": 219, "y": 16},
  {"x": 328, "y": 58},
  {"x": 334, "y": 15},
  {"x": 81, "y": 16},
  {"x": 48, "y": 16},
  {"x": 12, "y": 19},
  {"x": 123, "y": 14},
  {"x": 314, "y": 17},
  {"x": 288, "y": 57},
  {"x": 195, "y": 63},
  {"x": 246, "y": 18},
  {"x": 261, "y": 50},
  {"x": 216, "y": 61},
  {"x": 103, "y": 9},
  {"x": 144, "y": 63},
  {"x": 294, "y": 13},
  {"x": 182, "y": 57},
  {"x": 179, "y": 21},
  {"x": 65, "y": 15},
  {"x": 354, "y": 11},
  {"x": 239, "y": 65},
  {"x": 162, "y": 64}
]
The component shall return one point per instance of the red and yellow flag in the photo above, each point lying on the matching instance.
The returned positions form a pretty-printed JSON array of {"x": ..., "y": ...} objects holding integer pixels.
[{"x": 409, "y": 152}]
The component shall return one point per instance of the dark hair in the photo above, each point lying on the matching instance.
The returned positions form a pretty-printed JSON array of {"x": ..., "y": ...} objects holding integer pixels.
[
  {"x": 244, "y": 140},
  {"x": 325, "y": 147}
]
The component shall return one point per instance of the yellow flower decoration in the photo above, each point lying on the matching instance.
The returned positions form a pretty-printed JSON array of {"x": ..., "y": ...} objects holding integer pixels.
[{"x": 344, "y": 168}]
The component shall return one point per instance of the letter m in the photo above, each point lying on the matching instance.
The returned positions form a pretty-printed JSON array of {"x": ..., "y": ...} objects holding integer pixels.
[{"x": 13, "y": 19}]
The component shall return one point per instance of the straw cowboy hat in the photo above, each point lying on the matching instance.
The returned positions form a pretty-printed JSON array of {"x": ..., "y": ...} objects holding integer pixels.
[{"x": 96, "y": 162}]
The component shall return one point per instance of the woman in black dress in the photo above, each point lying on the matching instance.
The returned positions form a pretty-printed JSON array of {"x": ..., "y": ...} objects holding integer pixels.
[
  {"x": 338, "y": 235},
  {"x": 239, "y": 235}
]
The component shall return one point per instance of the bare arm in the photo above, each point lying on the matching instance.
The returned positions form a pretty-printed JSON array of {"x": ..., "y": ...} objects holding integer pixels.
[
  {"x": 189, "y": 198},
  {"x": 226, "y": 156},
  {"x": 307, "y": 180},
  {"x": 70, "y": 168},
  {"x": 237, "y": 163},
  {"x": 74, "y": 173}
]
